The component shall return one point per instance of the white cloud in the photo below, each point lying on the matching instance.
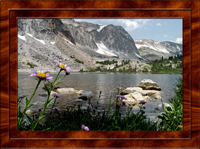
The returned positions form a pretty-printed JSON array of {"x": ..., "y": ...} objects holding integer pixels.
[
  {"x": 179, "y": 40},
  {"x": 159, "y": 24},
  {"x": 133, "y": 24},
  {"x": 165, "y": 35}
]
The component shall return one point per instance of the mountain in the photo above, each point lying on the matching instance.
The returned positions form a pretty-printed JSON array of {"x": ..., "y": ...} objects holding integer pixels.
[
  {"x": 117, "y": 41},
  {"x": 42, "y": 42},
  {"x": 151, "y": 50}
]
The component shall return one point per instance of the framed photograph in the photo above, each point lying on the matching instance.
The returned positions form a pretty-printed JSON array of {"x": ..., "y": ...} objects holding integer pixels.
[{"x": 80, "y": 53}]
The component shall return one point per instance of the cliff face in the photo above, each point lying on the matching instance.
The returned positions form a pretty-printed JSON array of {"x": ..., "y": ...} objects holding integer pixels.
[{"x": 117, "y": 40}]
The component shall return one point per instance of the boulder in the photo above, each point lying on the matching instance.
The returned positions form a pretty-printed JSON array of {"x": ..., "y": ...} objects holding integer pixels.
[
  {"x": 132, "y": 90},
  {"x": 158, "y": 97},
  {"x": 153, "y": 92},
  {"x": 148, "y": 84},
  {"x": 30, "y": 112},
  {"x": 133, "y": 98},
  {"x": 63, "y": 91},
  {"x": 56, "y": 87},
  {"x": 137, "y": 96},
  {"x": 52, "y": 92},
  {"x": 146, "y": 97},
  {"x": 84, "y": 95}
]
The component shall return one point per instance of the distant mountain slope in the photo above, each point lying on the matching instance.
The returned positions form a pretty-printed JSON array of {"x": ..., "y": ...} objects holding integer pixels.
[{"x": 151, "y": 50}]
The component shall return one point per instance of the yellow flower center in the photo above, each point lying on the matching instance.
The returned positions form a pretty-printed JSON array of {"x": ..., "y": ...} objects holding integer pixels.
[
  {"x": 41, "y": 75},
  {"x": 62, "y": 66}
]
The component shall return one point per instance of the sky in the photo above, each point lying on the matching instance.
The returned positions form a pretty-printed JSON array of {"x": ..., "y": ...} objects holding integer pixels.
[{"x": 155, "y": 29}]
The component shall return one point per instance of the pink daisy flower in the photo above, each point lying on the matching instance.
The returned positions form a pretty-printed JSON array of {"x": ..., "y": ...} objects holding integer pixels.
[
  {"x": 85, "y": 128},
  {"x": 61, "y": 66},
  {"x": 41, "y": 75}
]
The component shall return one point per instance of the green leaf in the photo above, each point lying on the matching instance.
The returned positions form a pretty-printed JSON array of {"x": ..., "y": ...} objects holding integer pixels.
[
  {"x": 31, "y": 121},
  {"x": 49, "y": 101},
  {"x": 32, "y": 104},
  {"x": 47, "y": 89},
  {"x": 41, "y": 117},
  {"x": 169, "y": 109},
  {"x": 160, "y": 117},
  {"x": 19, "y": 123},
  {"x": 57, "y": 83},
  {"x": 46, "y": 129},
  {"x": 26, "y": 101}
]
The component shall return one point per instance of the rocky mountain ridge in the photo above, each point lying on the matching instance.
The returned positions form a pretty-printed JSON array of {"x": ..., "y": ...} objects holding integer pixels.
[
  {"x": 42, "y": 42},
  {"x": 151, "y": 50}
]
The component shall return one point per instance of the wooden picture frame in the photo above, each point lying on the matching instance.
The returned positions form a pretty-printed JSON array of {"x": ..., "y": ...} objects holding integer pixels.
[{"x": 186, "y": 10}]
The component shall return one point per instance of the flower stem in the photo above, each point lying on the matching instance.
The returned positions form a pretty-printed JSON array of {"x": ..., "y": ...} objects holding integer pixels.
[
  {"x": 45, "y": 105},
  {"x": 25, "y": 108},
  {"x": 57, "y": 76}
]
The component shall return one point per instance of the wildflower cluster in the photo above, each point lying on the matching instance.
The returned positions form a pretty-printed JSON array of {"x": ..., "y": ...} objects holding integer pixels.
[
  {"x": 40, "y": 75},
  {"x": 90, "y": 107},
  {"x": 121, "y": 102}
]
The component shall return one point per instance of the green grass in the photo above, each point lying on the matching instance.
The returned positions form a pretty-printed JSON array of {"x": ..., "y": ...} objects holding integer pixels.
[
  {"x": 31, "y": 65},
  {"x": 174, "y": 117}
]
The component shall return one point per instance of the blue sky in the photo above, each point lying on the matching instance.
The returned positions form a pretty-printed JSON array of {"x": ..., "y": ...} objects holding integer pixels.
[{"x": 155, "y": 29}]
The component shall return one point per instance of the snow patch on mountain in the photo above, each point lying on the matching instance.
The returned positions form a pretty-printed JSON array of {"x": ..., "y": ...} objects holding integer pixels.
[
  {"x": 151, "y": 44},
  {"x": 52, "y": 42},
  {"x": 42, "y": 41},
  {"x": 68, "y": 41},
  {"x": 102, "y": 49},
  {"x": 139, "y": 46},
  {"x": 138, "y": 55},
  {"x": 101, "y": 27},
  {"x": 178, "y": 47},
  {"x": 22, "y": 37}
]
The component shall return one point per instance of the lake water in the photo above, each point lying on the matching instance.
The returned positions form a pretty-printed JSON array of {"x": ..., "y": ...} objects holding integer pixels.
[{"x": 107, "y": 83}]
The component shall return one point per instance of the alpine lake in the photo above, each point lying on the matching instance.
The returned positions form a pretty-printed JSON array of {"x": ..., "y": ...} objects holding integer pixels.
[{"x": 107, "y": 83}]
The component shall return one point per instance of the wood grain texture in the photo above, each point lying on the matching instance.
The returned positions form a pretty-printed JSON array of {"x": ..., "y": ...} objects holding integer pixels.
[{"x": 187, "y": 10}]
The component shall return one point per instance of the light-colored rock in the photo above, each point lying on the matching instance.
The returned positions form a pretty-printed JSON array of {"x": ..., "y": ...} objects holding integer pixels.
[
  {"x": 133, "y": 98},
  {"x": 158, "y": 97},
  {"x": 79, "y": 100},
  {"x": 52, "y": 92},
  {"x": 137, "y": 96},
  {"x": 132, "y": 90},
  {"x": 146, "y": 97},
  {"x": 85, "y": 94},
  {"x": 160, "y": 106},
  {"x": 63, "y": 91},
  {"x": 130, "y": 102},
  {"x": 153, "y": 92},
  {"x": 148, "y": 84},
  {"x": 30, "y": 112}
]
